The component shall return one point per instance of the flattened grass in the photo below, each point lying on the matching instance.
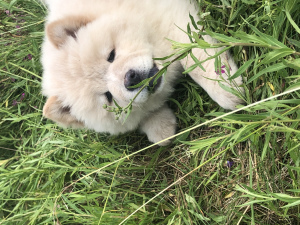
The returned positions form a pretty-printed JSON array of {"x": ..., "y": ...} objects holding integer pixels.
[{"x": 240, "y": 169}]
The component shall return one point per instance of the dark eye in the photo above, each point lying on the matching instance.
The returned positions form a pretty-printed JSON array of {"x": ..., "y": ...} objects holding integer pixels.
[
  {"x": 109, "y": 96},
  {"x": 111, "y": 56}
]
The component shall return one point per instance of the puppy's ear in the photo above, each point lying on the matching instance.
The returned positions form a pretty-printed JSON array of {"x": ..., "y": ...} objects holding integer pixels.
[
  {"x": 54, "y": 110},
  {"x": 59, "y": 30}
]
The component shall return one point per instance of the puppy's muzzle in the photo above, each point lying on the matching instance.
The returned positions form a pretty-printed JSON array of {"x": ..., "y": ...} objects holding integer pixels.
[{"x": 134, "y": 77}]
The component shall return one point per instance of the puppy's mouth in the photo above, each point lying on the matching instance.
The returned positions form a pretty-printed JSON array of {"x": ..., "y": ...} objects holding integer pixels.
[
  {"x": 155, "y": 81},
  {"x": 133, "y": 79}
]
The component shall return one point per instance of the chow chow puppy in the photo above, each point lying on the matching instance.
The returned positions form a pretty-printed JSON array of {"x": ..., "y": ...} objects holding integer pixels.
[{"x": 95, "y": 51}]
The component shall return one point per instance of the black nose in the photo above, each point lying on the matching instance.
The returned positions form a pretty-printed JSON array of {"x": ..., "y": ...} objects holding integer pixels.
[{"x": 132, "y": 78}]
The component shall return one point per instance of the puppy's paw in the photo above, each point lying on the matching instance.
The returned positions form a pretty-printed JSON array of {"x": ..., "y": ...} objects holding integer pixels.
[
  {"x": 220, "y": 92},
  {"x": 159, "y": 126},
  {"x": 228, "y": 100},
  {"x": 156, "y": 134}
]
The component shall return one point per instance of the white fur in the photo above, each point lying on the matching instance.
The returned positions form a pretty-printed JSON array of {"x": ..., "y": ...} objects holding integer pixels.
[{"x": 77, "y": 72}]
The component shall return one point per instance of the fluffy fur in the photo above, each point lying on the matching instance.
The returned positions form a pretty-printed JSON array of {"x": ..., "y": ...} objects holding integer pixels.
[{"x": 80, "y": 38}]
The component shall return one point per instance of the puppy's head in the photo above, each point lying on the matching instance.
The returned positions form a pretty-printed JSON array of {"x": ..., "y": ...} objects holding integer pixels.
[{"x": 89, "y": 62}]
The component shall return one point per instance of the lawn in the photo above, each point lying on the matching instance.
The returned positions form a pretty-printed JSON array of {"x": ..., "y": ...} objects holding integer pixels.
[{"x": 223, "y": 167}]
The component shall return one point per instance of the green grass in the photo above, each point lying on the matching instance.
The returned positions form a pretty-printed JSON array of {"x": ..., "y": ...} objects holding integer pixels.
[{"x": 240, "y": 168}]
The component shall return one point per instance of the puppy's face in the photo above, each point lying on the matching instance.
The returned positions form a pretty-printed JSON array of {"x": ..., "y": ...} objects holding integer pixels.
[{"x": 88, "y": 63}]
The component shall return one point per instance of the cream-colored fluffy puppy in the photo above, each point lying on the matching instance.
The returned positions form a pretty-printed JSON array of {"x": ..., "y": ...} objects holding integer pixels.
[{"x": 96, "y": 50}]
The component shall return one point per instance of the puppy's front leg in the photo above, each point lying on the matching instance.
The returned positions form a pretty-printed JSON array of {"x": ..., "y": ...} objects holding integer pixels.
[
  {"x": 160, "y": 125},
  {"x": 208, "y": 79}
]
